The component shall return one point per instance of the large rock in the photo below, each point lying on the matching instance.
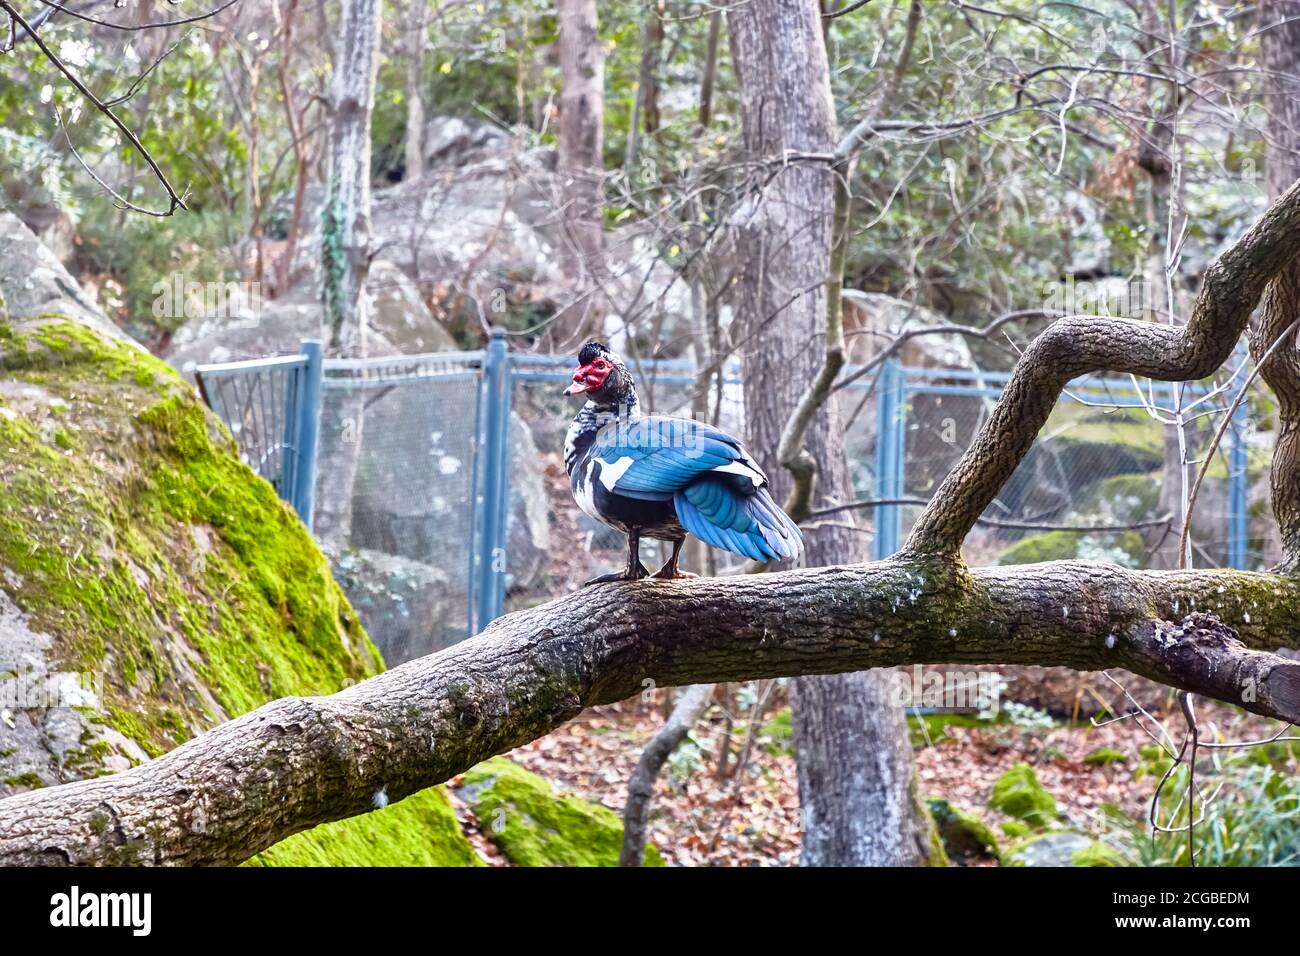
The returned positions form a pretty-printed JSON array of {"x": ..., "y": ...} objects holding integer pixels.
[
  {"x": 401, "y": 323},
  {"x": 414, "y": 491},
  {"x": 151, "y": 586},
  {"x": 528, "y": 526},
  {"x": 33, "y": 281},
  {"x": 450, "y": 139},
  {"x": 482, "y": 232},
  {"x": 407, "y": 606}
]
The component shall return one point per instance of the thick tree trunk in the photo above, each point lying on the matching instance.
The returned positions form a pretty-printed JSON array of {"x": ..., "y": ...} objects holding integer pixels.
[
  {"x": 645, "y": 108},
  {"x": 856, "y": 783},
  {"x": 581, "y": 168},
  {"x": 346, "y": 243},
  {"x": 1280, "y": 42}
]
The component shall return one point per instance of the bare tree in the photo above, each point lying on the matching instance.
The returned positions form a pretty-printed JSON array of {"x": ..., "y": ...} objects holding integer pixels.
[
  {"x": 856, "y": 782},
  {"x": 581, "y": 166},
  {"x": 417, "y": 16},
  {"x": 346, "y": 239}
]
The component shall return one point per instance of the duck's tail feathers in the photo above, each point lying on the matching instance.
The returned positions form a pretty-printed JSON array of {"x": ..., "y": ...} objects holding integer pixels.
[{"x": 751, "y": 525}]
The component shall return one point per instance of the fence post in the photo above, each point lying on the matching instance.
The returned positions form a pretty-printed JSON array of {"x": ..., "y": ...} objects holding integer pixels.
[
  {"x": 495, "y": 444},
  {"x": 1238, "y": 516},
  {"x": 889, "y": 459},
  {"x": 307, "y": 431}
]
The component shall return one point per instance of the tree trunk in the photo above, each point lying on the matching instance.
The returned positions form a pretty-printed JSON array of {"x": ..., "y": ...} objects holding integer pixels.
[
  {"x": 414, "y": 89},
  {"x": 710, "y": 74},
  {"x": 645, "y": 108},
  {"x": 581, "y": 168},
  {"x": 346, "y": 242},
  {"x": 856, "y": 783},
  {"x": 1280, "y": 47}
]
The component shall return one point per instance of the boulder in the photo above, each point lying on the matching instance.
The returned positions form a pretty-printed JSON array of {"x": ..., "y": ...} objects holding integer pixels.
[
  {"x": 33, "y": 281},
  {"x": 448, "y": 139},
  {"x": 151, "y": 586},
  {"x": 1062, "y": 848},
  {"x": 532, "y": 826},
  {"x": 528, "y": 525},
  {"x": 408, "y": 608},
  {"x": 401, "y": 324}
]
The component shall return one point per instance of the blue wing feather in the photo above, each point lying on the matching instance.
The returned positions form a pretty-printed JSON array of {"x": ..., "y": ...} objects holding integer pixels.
[{"x": 661, "y": 458}]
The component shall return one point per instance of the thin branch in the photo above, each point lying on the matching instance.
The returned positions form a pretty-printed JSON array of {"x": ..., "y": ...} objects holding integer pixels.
[{"x": 177, "y": 201}]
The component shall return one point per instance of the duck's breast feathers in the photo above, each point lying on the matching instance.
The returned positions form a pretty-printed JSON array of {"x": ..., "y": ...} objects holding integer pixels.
[{"x": 657, "y": 456}]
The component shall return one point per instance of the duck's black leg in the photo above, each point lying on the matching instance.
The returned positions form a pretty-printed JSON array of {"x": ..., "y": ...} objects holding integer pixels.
[
  {"x": 635, "y": 569},
  {"x": 670, "y": 570}
]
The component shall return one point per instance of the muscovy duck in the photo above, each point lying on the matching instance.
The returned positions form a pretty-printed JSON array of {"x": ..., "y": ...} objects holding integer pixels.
[{"x": 660, "y": 477}]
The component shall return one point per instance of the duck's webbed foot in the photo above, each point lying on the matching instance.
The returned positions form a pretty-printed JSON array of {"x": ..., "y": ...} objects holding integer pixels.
[
  {"x": 670, "y": 571},
  {"x": 635, "y": 575},
  {"x": 634, "y": 571}
]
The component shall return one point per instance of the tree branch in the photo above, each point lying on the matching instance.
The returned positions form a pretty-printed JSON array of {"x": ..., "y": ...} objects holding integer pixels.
[
  {"x": 1081, "y": 345},
  {"x": 299, "y": 762},
  {"x": 640, "y": 788}
]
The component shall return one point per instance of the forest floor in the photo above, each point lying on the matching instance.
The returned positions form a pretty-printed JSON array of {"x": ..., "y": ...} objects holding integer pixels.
[{"x": 749, "y": 815}]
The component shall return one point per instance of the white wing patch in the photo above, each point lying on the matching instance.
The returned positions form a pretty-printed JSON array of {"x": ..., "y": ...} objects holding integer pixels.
[
  {"x": 611, "y": 472},
  {"x": 742, "y": 469},
  {"x": 586, "y": 495}
]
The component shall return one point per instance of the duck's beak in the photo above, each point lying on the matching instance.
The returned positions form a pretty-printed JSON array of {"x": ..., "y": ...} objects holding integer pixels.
[{"x": 579, "y": 383}]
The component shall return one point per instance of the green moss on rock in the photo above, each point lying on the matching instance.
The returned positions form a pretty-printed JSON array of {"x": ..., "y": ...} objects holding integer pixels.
[
  {"x": 1018, "y": 794},
  {"x": 1096, "y": 854},
  {"x": 964, "y": 835},
  {"x": 153, "y": 556},
  {"x": 1014, "y": 829},
  {"x": 1125, "y": 548},
  {"x": 1104, "y": 756},
  {"x": 421, "y": 830},
  {"x": 518, "y": 811},
  {"x": 132, "y": 536}
]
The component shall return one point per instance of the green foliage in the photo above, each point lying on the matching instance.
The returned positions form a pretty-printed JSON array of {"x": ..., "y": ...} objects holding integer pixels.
[
  {"x": 137, "y": 256},
  {"x": 1017, "y": 793},
  {"x": 779, "y": 733},
  {"x": 1253, "y": 820},
  {"x": 533, "y": 827}
]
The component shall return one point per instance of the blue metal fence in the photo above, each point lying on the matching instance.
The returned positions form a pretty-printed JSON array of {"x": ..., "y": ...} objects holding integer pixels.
[{"x": 273, "y": 408}]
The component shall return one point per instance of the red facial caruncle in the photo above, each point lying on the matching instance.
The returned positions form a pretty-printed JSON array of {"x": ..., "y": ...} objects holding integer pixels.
[{"x": 590, "y": 377}]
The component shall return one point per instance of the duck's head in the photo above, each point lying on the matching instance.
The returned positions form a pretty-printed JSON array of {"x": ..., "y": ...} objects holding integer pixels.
[{"x": 602, "y": 377}]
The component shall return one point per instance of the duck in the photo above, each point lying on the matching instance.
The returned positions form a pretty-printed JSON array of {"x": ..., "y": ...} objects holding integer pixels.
[{"x": 662, "y": 478}]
